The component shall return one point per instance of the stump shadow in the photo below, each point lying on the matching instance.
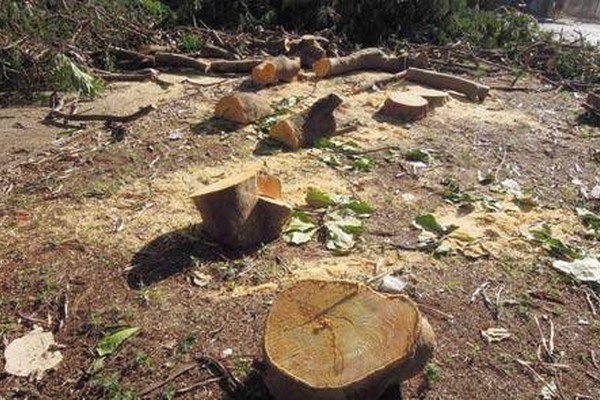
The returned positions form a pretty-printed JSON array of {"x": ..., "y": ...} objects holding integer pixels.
[
  {"x": 215, "y": 126},
  {"x": 176, "y": 252},
  {"x": 252, "y": 388}
]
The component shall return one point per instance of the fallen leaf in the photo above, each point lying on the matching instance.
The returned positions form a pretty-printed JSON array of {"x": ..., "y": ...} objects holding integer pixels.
[
  {"x": 110, "y": 343},
  {"x": 30, "y": 355}
]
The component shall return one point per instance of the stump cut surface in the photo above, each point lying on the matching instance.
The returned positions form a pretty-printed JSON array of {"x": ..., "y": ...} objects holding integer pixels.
[{"x": 332, "y": 335}]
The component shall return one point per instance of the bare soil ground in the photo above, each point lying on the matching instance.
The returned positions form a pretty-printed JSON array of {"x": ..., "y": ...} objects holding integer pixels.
[{"x": 107, "y": 227}]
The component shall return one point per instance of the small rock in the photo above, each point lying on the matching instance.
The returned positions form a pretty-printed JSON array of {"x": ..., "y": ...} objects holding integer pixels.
[
  {"x": 226, "y": 353},
  {"x": 391, "y": 284}
]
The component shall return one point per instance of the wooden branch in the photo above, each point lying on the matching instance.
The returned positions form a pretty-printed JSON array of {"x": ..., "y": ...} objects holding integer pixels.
[
  {"x": 180, "y": 61},
  {"x": 303, "y": 130},
  {"x": 212, "y": 51},
  {"x": 103, "y": 117},
  {"x": 243, "y": 108},
  {"x": 233, "y": 66},
  {"x": 276, "y": 69},
  {"x": 363, "y": 60},
  {"x": 437, "y": 80},
  {"x": 380, "y": 83}
]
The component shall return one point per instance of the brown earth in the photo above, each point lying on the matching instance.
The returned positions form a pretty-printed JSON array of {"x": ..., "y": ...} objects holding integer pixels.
[{"x": 108, "y": 228}]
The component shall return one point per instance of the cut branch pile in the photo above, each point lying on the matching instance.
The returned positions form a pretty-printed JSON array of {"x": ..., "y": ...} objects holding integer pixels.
[
  {"x": 244, "y": 210},
  {"x": 303, "y": 130}
]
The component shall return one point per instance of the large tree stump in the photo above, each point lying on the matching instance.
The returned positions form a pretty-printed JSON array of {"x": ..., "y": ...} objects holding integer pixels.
[
  {"x": 274, "y": 70},
  {"x": 362, "y": 60},
  {"x": 243, "y": 210},
  {"x": 243, "y": 108},
  {"x": 303, "y": 130},
  {"x": 336, "y": 340},
  {"x": 404, "y": 106},
  {"x": 437, "y": 80}
]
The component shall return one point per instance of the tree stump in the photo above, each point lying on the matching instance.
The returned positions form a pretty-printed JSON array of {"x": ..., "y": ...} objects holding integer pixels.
[
  {"x": 302, "y": 130},
  {"x": 435, "y": 98},
  {"x": 405, "y": 106},
  {"x": 276, "y": 69},
  {"x": 332, "y": 340},
  {"x": 243, "y": 210},
  {"x": 243, "y": 108}
]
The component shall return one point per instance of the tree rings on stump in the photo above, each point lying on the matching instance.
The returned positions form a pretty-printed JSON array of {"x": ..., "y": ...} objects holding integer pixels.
[
  {"x": 405, "y": 106},
  {"x": 331, "y": 340}
]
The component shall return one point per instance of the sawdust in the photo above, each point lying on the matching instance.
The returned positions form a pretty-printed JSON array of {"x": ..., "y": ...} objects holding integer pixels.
[
  {"x": 141, "y": 211},
  {"x": 498, "y": 234}
]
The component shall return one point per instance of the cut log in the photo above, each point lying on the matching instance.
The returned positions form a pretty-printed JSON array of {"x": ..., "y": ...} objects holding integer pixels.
[
  {"x": 234, "y": 66},
  {"x": 362, "y": 60},
  {"x": 243, "y": 108},
  {"x": 303, "y": 130},
  {"x": 310, "y": 51},
  {"x": 276, "y": 69},
  {"x": 435, "y": 98},
  {"x": 332, "y": 340},
  {"x": 437, "y": 80},
  {"x": 405, "y": 106},
  {"x": 180, "y": 61},
  {"x": 236, "y": 213},
  {"x": 142, "y": 60},
  {"x": 212, "y": 51}
]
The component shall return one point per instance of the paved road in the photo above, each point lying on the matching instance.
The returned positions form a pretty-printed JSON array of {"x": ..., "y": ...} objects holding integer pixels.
[{"x": 570, "y": 30}]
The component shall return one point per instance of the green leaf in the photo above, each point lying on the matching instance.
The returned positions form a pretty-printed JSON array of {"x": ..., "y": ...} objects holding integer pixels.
[
  {"x": 554, "y": 246},
  {"x": 589, "y": 220},
  {"x": 363, "y": 164},
  {"x": 318, "y": 199},
  {"x": 110, "y": 343},
  {"x": 360, "y": 207},
  {"x": 429, "y": 223},
  {"x": 418, "y": 155},
  {"x": 300, "y": 229}
]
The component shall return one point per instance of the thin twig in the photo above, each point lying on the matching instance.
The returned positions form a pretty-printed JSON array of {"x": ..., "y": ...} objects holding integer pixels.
[
  {"x": 103, "y": 117},
  {"x": 436, "y": 311},
  {"x": 171, "y": 377},
  {"x": 198, "y": 385}
]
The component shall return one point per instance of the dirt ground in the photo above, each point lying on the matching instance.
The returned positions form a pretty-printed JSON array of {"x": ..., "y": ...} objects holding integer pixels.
[{"x": 105, "y": 230}]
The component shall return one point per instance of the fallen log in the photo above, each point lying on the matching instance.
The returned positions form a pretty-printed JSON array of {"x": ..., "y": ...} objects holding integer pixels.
[
  {"x": 237, "y": 212},
  {"x": 54, "y": 114},
  {"x": 134, "y": 56},
  {"x": 405, "y": 106},
  {"x": 180, "y": 61},
  {"x": 243, "y": 108},
  {"x": 331, "y": 340},
  {"x": 233, "y": 66},
  {"x": 437, "y": 80},
  {"x": 212, "y": 51},
  {"x": 362, "y": 60},
  {"x": 274, "y": 70},
  {"x": 303, "y": 130},
  {"x": 143, "y": 75}
]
